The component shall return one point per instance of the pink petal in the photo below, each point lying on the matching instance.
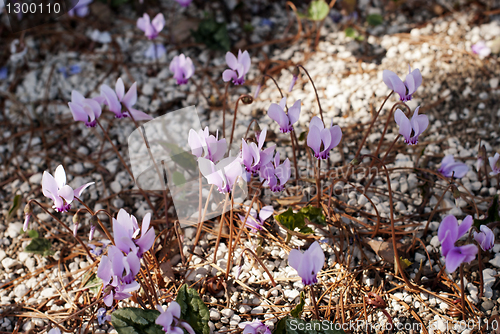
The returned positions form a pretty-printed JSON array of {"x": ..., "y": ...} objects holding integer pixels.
[
  {"x": 131, "y": 97},
  {"x": 78, "y": 191},
  {"x": 394, "y": 82},
  {"x": 404, "y": 124},
  {"x": 227, "y": 75},
  {"x": 158, "y": 22},
  {"x": 119, "y": 89},
  {"x": 464, "y": 227},
  {"x": 111, "y": 99},
  {"x": 314, "y": 139},
  {"x": 294, "y": 112},
  {"x": 67, "y": 193},
  {"x": 78, "y": 112},
  {"x": 276, "y": 113},
  {"x": 139, "y": 115},
  {"x": 231, "y": 61}
]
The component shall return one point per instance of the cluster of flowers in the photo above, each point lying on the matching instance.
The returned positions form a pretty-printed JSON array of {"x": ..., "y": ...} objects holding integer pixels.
[
  {"x": 88, "y": 110},
  {"x": 118, "y": 269},
  {"x": 450, "y": 231}
]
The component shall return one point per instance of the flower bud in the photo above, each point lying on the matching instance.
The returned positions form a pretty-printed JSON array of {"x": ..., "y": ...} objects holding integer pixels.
[
  {"x": 295, "y": 74},
  {"x": 76, "y": 222}
]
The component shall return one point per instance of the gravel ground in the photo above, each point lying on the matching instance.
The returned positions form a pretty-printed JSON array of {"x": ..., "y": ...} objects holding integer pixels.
[{"x": 459, "y": 93}]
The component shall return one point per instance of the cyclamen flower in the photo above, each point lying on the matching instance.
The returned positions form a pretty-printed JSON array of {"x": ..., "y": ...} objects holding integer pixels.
[
  {"x": 205, "y": 145},
  {"x": 151, "y": 28},
  {"x": 405, "y": 89},
  {"x": 184, "y": 3},
  {"x": 183, "y": 68},
  {"x": 254, "y": 327},
  {"x": 117, "y": 100},
  {"x": 253, "y": 156},
  {"x": 448, "y": 233},
  {"x": 495, "y": 164},
  {"x": 307, "y": 263},
  {"x": 84, "y": 110},
  {"x": 126, "y": 229},
  {"x": 255, "y": 223},
  {"x": 57, "y": 190},
  {"x": 223, "y": 175},
  {"x": 481, "y": 49},
  {"x": 285, "y": 121},
  {"x": 322, "y": 140},
  {"x": 81, "y": 9},
  {"x": 169, "y": 319},
  {"x": 485, "y": 238},
  {"x": 276, "y": 175},
  {"x": 449, "y": 167},
  {"x": 117, "y": 272},
  {"x": 238, "y": 67},
  {"x": 102, "y": 317},
  {"x": 411, "y": 129}
]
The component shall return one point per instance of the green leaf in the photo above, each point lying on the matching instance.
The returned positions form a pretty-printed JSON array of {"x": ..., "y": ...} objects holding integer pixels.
[
  {"x": 16, "y": 204},
  {"x": 350, "y": 32},
  {"x": 94, "y": 284},
  {"x": 178, "y": 178},
  {"x": 492, "y": 214},
  {"x": 405, "y": 263},
  {"x": 374, "y": 19},
  {"x": 289, "y": 325},
  {"x": 32, "y": 234},
  {"x": 291, "y": 220},
  {"x": 315, "y": 215},
  {"x": 213, "y": 34},
  {"x": 39, "y": 246},
  {"x": 193, "y": 310},
  {"x": 318, "y": 10},
  {"x": 297, "y": 311},
  {"x": 132, "y": 320},
  {"x": 184, "y": 159}
]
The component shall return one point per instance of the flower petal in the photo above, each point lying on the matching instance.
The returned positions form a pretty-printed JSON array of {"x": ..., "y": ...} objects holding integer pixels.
[
  {"x": 119, "y": 89},
  {"x": 60, "y": 176}
]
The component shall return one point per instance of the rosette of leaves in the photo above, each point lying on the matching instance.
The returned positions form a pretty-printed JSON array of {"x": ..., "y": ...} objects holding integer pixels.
[
  {"x": 213, "y": 34},
  {"x": 296, "y": 223}
]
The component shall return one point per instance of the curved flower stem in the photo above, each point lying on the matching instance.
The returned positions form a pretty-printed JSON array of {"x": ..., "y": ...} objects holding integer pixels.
[
  {"x": 235, "y": 113},
  {"x": 371, "y": 126},
  {"x": 481, "y": 280},
  {"x": 65, "y": 226},
  {"x": 315, "y": 91},
  {"x": 435, "y": 208},
  {"x": 314, "y": 302},
  {"x": 393, "y": 232},
  {"x": 224, "y": 111},
  {"x": 297, "y": 178},
  {"x": 230, "y": 248},
  {"x": 462, "y": 291},
  {"x": 275, "y": 83},
  {"x": 124, "y": 164},
  {"x": 98, "y": 220},
  {"x": 318, "y": 183},
  {"x": 382, "y": 161},
  {"x": 221, "y": 224}
]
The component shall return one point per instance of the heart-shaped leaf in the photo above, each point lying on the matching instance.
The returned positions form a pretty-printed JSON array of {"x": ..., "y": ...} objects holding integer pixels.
[
  {"x": 132, "y": 320},
  {"x": 193, "y": 310}
]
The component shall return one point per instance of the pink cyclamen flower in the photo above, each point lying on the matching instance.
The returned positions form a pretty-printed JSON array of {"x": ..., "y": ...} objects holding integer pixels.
[
  {"x": 184, "y": 3},
  {"x": 205, "y": 145},
  {"x": 448, "y": 234},
  {"x": 450, "y": 167},
  {"x": 255, "y": 222},
  {"x": 307, "y": 263},
  {"x": 253, "y": 156},
  {"x": 26, "y": 222},
  {"x": 405, "y": 89},
  {"x": 117, "y": 100},
  {"x": 322, "y": 140},
  {"x": 485, "y": 238},
  {"x": 254, "y": 327},
  {"x": 238, "y": 67},
  {"x": 285, "y": 121},
  {"x": 481, "y": 49},
  {"x": 81, "y": 9},
  {"x": 126, "y": 229},
  {"x": 276, "y": 175},
  {"x": 410, "y": 129},
  {"x": 84, "y": 110},
  {"x": 223, "y": 175},
  {"x": 169, "y": 319},
  {"x": 117, "y": 272},
  {"x": 151, "y": 28},
  {"x": 183, "y": 68},
  {"x": 57, "y": 190},
  {"x": 495, "y": 164}
]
